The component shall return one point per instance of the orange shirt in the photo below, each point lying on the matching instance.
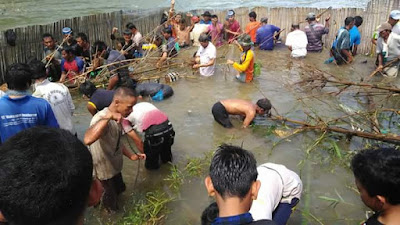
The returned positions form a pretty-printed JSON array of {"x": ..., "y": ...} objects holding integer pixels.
[{"x": 251, "y": 29}]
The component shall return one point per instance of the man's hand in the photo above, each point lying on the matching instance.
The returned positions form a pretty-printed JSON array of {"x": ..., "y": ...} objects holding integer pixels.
[
  {"x": 114, "y": 116},
  {"x": 114, "y": 30},
  {"x": 328, "y": 18},
  {"x": 230, "y": 62},
  {"x": 138, "y": 156},
  {"x": 196, "y": 66},
  {"x": 380, "y": 68}
]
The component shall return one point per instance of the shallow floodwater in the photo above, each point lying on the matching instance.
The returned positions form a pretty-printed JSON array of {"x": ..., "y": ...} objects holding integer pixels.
[
  {"x": 17, "y": 13},
  {"x": 196, "y": 133}
]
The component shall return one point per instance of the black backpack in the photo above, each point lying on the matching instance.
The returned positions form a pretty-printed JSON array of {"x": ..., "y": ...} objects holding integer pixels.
[{"x": 11, "y": 37}]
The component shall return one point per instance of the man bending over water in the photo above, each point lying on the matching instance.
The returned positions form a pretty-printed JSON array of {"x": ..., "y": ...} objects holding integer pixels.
[{"x": 222, "y": 109}]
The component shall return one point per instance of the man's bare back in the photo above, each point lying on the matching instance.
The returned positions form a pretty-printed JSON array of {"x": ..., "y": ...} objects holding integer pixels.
[{"x": 240, "y": 107}]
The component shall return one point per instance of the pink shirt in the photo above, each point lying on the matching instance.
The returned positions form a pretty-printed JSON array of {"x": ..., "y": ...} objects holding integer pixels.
[
  {"x": 142, "y": 117},
  {"x": 216, "y": 38}
]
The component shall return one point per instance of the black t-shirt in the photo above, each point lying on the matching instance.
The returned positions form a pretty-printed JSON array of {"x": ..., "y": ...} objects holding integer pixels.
[
  {"x": 101, "y": 98},
  {"x": 373, "y": 220}
]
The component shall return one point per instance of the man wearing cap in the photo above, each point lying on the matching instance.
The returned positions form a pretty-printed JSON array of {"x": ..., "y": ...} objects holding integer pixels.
[
  {"x": 265, "y": 35},
  {"x": 388, "y": 49},
  {"x": 341, "y": 52},
  {"x": 246, "y": 65},
  {"x": 297, "y": 42},
  {"x": 314, "y": 32},
  {"x": 205, "y": 56},
  {"x": 68, "y": 37},
  {"x": 231, "y": 26},
  {"x": 252, "y": 27},
  {"x": 222, "y": 109},
  {"x": 393, "y": 20},
  {"x": 206, "y": 18}
]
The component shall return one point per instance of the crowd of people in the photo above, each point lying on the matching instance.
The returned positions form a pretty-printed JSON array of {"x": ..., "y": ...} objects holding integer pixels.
[{"x": 69, "y": 177}]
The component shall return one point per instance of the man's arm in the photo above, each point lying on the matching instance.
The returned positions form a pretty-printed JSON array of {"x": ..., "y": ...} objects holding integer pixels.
[
  {"x": 91, "y": 108},
  {"x": 355, "y": 50},
  {"x": 96, "y": 130},
  {"x": 250, "y": 114},
  {"x": 131, "y": 155},
  {"x": 348, "y": 54},
  {"x": 138, "y": 141},
  {"x": 162, "y": 59},
  {"x": 212, "y": 61}
]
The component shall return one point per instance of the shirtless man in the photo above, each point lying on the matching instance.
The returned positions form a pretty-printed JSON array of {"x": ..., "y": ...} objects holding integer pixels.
[{"x": 222, "y": 109}]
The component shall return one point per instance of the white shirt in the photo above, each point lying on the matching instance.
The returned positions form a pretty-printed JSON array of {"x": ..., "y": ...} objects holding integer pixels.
[
  {"x": 58, "y": 96},
  {"x": 396, "y": 28},
  {"x": 298, "y": 40},
  {"x": 206, "y": 55},
  {"x": 2, "y": 93},
  {"x": 278, "y": 185},
  {"x": 197, "y": 30}
]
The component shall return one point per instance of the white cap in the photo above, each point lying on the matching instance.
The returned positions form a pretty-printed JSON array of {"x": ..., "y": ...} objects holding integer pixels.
[{"x": 395, "y": 14}]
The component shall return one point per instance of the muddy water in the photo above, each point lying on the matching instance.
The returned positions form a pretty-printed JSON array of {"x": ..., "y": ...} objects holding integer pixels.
[{"x": 196, "y": 133}]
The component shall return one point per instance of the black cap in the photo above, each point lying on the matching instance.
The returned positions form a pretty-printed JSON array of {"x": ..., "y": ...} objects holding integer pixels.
[{"x": 206, "y": 13}]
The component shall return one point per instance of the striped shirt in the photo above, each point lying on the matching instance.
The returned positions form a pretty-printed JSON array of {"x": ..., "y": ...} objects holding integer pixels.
[{"x": 314, "y": 32}]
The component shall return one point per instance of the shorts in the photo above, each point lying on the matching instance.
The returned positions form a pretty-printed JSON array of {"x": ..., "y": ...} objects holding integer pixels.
[{"x": 221, "y": 115}]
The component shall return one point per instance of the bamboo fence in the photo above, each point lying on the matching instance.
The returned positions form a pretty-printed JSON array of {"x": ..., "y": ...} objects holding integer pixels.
[{"x": 98, "y": 27}]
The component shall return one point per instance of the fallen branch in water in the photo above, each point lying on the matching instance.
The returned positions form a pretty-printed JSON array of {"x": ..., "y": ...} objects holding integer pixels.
[{"x": 390, "y": 138}]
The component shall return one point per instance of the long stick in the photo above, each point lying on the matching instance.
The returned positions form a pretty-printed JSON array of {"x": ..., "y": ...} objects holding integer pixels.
[
  {"x": 386, "y": 65},
  {"x": 54, "y": 53},
  {"x": 319, "y": 15}
]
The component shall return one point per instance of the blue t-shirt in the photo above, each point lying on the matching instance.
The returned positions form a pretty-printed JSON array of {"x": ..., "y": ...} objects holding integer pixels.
[
  {"x": 204, "y": 22},
  {"x": 355, "y": 36},
  {"x": 265, "y": 36},
  {"x": 22, "y": 113}
]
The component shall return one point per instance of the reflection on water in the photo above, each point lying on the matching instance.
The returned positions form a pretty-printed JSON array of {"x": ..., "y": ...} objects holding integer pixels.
[{"x": 189, "y": 110}]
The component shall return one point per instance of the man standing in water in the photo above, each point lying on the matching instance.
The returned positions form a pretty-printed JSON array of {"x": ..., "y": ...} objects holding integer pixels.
[
  {"x": 314, "y": 32},
  {"x": 342, "y": 52},
  {"x": 104, "y": 139},
  {"x": 158, "y": 133},
  {"x": 245, "y": 67},
  {"x": 266, "y": 35},
  {"x": 205, "y": 56},
  {"x": 252, "y": 27},
  {"x": 222, "y": 109}
]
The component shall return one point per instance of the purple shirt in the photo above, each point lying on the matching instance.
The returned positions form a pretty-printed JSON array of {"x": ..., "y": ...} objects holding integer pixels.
[
  {"x": 314, "y": 36},
  {"x": 265, "y": 36}
]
